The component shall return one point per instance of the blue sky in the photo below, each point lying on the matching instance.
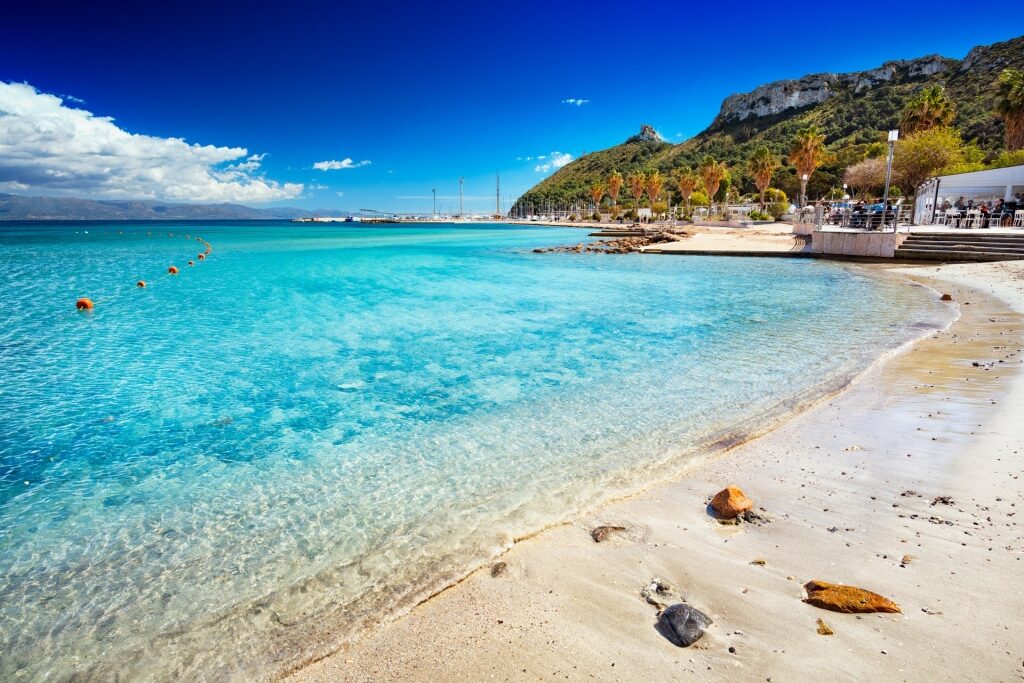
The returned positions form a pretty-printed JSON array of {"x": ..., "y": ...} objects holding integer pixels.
[{"x": 414, "y": 95}]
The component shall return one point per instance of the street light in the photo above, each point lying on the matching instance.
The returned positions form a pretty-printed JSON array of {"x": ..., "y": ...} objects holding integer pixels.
[
  {"x": 803, "y": 190},
  {"x": 894, "y": 135},
  {"x": 845, "y": 195}
]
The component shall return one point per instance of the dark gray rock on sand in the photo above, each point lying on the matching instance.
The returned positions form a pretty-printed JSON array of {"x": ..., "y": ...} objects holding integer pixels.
[
  {"x": 602, "y": 532},
  {"x": 683, "y": 625}
]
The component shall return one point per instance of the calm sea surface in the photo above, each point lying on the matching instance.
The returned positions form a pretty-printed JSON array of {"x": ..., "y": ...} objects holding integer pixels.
[{"x": 233, "y": 469}]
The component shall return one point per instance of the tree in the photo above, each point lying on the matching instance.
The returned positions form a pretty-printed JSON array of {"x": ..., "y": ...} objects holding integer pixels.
[
  {"x": 637, "y": 186},
  {"x": 865, "y": 175},
  {"x": 597, "y": 194},
  {"x": 922, "y": 155},
  {"x": 686, "y": 182},
  {"x": 614, "y": 185},
  {"x": 654, "y": 186},
  {"x": 761, "y": 166},
  {"x": 930, "y": 108},
  {"x": 1010, "y": 106},
  {"x": 711, "y": 173},
  {"x": 806, "y": 153}
]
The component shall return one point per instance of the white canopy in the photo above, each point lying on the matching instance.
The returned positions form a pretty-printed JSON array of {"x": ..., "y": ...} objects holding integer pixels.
[{"x": 978, "y": 185}]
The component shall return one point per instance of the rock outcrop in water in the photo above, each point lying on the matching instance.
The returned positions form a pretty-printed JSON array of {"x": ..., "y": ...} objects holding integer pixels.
[{"x": 624, "y": 245}]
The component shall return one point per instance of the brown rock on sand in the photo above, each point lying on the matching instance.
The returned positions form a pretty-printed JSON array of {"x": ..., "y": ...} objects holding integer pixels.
[
  {"x": 731, "y": 502},
  {"x": 602, "y": 532},
  {"x": 946, "y": 297},
  {"x": 823, "y": 629},
  {"x": 848, "y": 599}
]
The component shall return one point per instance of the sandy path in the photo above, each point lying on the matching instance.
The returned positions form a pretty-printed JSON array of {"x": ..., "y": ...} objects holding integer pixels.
[{"x": 835, "y": 483}]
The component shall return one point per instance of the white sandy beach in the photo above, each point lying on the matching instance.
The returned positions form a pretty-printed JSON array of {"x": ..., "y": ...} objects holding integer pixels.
[{"x": 849, "y": 487}]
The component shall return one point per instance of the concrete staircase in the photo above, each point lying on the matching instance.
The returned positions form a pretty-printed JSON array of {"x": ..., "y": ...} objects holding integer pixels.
[{"x": 969, "y": 246}]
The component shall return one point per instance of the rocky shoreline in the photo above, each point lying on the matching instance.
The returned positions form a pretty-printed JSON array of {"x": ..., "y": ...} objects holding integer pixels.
[{"x": 622, "y": 245}]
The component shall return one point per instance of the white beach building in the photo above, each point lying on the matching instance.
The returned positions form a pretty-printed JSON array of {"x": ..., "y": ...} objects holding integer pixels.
[{"x": 977, "y": 187}]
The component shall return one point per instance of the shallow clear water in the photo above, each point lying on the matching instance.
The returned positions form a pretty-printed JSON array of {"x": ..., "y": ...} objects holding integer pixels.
[{"x": 238, "y": 467}]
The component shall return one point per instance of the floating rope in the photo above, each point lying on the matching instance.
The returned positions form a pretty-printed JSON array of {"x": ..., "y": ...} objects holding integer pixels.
[{"x": 87, "y": 304}]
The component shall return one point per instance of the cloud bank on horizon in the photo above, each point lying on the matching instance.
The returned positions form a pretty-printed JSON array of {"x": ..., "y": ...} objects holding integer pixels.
[{"x": 52, "y": 149}]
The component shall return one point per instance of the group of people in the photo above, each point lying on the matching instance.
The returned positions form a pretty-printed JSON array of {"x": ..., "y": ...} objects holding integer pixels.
[{"x": 993, "y": 213}]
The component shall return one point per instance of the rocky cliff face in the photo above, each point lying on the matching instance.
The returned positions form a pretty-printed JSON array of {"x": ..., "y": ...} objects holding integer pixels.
[{"x": 775, "y": 98}]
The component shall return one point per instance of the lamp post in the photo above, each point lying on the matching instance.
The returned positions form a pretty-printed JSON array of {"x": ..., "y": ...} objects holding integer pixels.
[
  {"x": 845, "y": 194},
  {"x": 894, "y": 135},
  {"x": 803, "y": 190}
]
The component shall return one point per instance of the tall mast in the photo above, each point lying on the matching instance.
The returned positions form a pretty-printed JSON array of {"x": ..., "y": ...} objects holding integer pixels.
[
  {"x": 497, "y": 194},
  {"x": 460, "y": 196}
]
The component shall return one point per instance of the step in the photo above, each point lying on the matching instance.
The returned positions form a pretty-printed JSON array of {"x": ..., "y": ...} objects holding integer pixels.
[
  {"x": 995, "y": 246},
  {"x": 950, "y": 255},
  {"x": 971, "y": 237}
]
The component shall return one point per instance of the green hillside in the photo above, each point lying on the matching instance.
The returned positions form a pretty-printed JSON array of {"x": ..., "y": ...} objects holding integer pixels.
[{"x": 854, "y": 113}]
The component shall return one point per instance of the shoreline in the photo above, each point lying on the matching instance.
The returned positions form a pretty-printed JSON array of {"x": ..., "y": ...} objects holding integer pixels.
[{"x": 439, "y": 619}]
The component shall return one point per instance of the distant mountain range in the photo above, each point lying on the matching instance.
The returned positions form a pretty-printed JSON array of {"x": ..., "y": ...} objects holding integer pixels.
[
  {"x": 19, "y": 208},
  {"x": 853, "y": 111}
]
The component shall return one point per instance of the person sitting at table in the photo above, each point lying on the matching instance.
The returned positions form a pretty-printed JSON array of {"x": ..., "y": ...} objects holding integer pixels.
[
  {"x": 960, "y": 205},
  {"x": 946, "y": 206}
]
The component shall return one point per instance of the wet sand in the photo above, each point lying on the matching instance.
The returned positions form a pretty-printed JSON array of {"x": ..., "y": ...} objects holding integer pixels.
[{"x": 850, "y": 489}]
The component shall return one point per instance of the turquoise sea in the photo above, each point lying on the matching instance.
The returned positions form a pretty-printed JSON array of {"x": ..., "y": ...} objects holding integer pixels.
[{"x": 237, "y": 468}]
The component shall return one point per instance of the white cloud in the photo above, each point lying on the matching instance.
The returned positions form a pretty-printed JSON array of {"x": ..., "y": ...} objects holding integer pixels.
[
  {"x": 576, "y": 101},
  {"x": 250, "y": 164},
  {"x": 557, "y": 160},
  {"x": 338, "y": 165},
  {"x": 340, "y": 194},
  {"x": 53, "y": 149},
  {"x": 316, "y": 186}
]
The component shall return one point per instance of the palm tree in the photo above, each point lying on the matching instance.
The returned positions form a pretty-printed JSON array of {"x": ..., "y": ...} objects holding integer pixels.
[
  {"x": 806, "y": 153},
  {"x": 1010, "y": 106},
  {"x": 686, "y": 182},
  {"x": 597, "y": 194},
  {"x": 614, "y": 185},
  {"x": 637, "y": 185},
  {"x": 712, "y": 173},
  {"x": 654, "y": 185},
  {"x": 928, "y": 109},
  {"x": 762, "y": 165}
]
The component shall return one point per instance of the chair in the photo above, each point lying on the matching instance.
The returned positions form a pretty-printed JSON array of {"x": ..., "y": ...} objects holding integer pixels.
[
  {"x": 951, "y": 218},
  {"x": 1018, "y": 218},
  {"x": 973, "y": 219}
]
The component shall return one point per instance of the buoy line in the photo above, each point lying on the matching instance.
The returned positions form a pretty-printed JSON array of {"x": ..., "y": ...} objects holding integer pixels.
[{"x": 84, "y": 303}]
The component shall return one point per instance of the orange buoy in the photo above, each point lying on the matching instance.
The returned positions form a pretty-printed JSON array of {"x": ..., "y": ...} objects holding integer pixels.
[
  {"x": 201, "y": 256},
  {"x": 84, "y": 304},
  {"x": 173, "y": 270},
  {"x": 191, "y": 263},
  {"x": 141, "y": 284},
  {"x": 209, "y": 251}
]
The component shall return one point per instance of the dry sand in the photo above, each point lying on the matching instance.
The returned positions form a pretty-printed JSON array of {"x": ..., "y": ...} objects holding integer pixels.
[
  {"x": 849, "y": 488},
  {"x": 764, "y": 238}
]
